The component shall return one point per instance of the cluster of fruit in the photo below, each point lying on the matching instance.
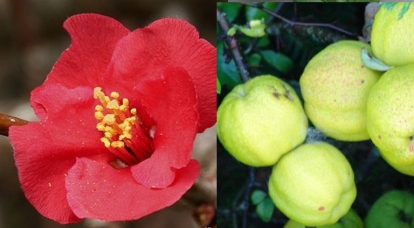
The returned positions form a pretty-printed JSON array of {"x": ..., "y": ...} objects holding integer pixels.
[{"x": 263, "y": 123}]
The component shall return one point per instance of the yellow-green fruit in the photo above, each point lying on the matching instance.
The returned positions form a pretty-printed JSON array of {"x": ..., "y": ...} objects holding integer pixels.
[
  {"x": 261, "y": 120},
  {"x": 390, "y": 113},
  {"x": 313, "y": 184},
  {"x": 392, "y": 37},
  {"x": 349, "y": 220},
  {"x": 335, "y": 86}
]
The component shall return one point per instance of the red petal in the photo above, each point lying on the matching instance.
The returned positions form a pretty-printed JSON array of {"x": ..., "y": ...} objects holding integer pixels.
[
  {"x": 93, "y": 41},
  {"x": 145, "y": 53},
  {"x": 197, "y": 57},
  {"x": 41, "y": 171},
  {"x": 171, "y": 103},
  {"x": 44, "y": 151},
  {"x": 52, "y": 100},
  {"x": 40, "y": 174},
  {"x": 96, "y": 190}
]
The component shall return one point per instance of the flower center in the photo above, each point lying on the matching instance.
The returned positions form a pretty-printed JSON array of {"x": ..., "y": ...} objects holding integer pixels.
[{"x": 118, "y": 123}]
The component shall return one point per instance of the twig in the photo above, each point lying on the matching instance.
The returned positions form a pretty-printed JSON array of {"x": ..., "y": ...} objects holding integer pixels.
[
  {"x": 7, "y": 121},
  {"x": 244, "y": 204},
  {"x": 232, "y": 44},
  {"x": 236, "y": 205},
  {"x": 246, "y": 200},
  {"x": 293, "y": 23}
]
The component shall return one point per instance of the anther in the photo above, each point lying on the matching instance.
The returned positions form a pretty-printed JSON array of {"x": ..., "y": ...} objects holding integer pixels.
[{"x": 115, "y": 95}]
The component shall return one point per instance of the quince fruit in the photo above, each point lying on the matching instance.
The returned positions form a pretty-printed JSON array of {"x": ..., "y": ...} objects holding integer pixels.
[
  {"x": 390, "y": 117},
  {"x": 349, "y": 220},
  {"x": 313, "y": 184},
  {"x": 261, "y": 120},
  {"x": 392, "y": 34},
  {"x": 335, "y": 86}
]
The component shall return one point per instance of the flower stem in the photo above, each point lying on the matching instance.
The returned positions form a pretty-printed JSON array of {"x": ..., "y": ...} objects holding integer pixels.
[{"x": 7, "y": 121}]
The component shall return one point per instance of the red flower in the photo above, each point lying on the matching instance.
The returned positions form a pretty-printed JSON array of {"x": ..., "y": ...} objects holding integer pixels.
[{"x": 118, "y": 115}]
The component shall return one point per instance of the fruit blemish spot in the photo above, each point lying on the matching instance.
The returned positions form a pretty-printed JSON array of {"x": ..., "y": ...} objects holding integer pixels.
[
  {"x": 321, "y": 208},
  {"x": 287, "y": 93},
  {"x": 288, "y": 96}
]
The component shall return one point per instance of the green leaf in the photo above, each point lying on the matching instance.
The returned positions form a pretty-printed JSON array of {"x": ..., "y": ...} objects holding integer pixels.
[
  {"x": 277, "y": 60},
  {"x": 254, "y": 59},
  {"x": 231, "y": 9},
  {"x": 387, "y": 5},
  {"x": 232, "y": 31},
  {"x": 263, "y": 42},
  {"x": 258, "y": 196},
  {"x": 257, "y": 31},
  {"x": 227, "y": 72},
  {"x": 403, "y": 10},
  {"x": 253, "y": 13},
  {"x": 390, "y": 6},
  {"x": 265, "y": 210}
]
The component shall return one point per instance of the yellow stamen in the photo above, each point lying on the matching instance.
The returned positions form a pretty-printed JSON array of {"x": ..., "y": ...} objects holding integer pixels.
[
  {"x": 115, "y": 95},
  {"x": 100, "y": 127},
  {"x": 99, "y": 108},
  {"x": 115, "y": 119},
  {"x": 109, "y": 119},
  {"x": 106, "y": 142},
  {"x": 113, "y": 105},
  {"x": 99, "y": 115},
  {"x": 108, "y": 135},
  {"x": 116, "y": 144}
]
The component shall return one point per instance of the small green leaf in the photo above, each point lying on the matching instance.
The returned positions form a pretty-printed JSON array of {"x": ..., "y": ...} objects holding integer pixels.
[
  {"x": 265, "y": 210},
  {"x": 277, "y": 60},
  {"x": 256, "y": 29},
  {"x": 258, "y": 196},
  {"x": 373, "y": 63},
  {"x": 263, "y": 42},
  {"x": 253, "y": 13},
  {"x": 232, "y": 31},
  {"x": 231, "y": 9},
  {"x": 387, "y": 5},
  {"x": 254, "y": 59},
  {"x": 390, "y": 6},
  {"x": 403, "y": 10}
]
